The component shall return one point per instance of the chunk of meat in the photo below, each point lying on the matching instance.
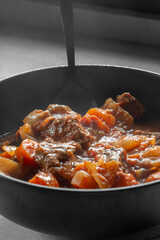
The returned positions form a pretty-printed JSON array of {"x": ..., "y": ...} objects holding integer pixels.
[
  {"x": 60, "y": 123},
  {"x": 131, "y": 105},
  {"x": 66, "y": 128},
  {"x": 123, "y": 118},
  {"x": 57, "y": 157}
]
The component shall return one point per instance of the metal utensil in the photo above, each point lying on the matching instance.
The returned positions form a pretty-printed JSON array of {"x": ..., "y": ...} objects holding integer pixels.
[{"x": 72, "y": 95}]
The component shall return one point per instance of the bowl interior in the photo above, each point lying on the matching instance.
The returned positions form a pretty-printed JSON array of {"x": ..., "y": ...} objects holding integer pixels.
[
  {"x": 21, "y": 94},
  {"x": 48, "y": 210}
]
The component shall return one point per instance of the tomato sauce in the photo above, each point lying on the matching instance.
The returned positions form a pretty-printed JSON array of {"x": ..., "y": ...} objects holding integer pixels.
[{"x": 107, "y": 147}]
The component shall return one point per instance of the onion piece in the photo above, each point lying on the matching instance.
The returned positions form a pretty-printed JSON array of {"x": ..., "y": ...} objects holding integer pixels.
[
  {"x": 26, "y": 132},
  {"x": 9, "y": 167},
  {"x": 9, "y": 149},
  {"x": 104, "y": 173},
  {"x": 83, "y": 180}
]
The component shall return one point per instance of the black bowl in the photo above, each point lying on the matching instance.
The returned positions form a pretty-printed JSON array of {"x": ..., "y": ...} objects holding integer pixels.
[{"x": 70, "y": 212}]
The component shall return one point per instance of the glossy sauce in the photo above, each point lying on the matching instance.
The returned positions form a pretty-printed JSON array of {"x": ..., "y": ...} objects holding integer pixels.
[{"x": 102, "y": 149}]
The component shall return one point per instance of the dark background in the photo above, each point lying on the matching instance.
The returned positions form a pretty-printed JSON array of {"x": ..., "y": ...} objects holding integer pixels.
[{"x": 144, "y": 6}]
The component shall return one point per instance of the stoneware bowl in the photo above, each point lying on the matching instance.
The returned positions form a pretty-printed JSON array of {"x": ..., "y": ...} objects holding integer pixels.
[{"x": 69, "y": 212}]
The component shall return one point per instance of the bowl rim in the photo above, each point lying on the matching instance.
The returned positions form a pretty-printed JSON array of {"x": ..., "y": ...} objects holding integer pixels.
[
  {"x": 75, "y": 190},
  {"x": 60, "y": 189},
  {"x": 77, "y": 66}
]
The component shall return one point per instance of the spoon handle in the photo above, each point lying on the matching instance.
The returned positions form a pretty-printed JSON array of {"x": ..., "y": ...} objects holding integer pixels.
[{"x": 66, "y": 8}]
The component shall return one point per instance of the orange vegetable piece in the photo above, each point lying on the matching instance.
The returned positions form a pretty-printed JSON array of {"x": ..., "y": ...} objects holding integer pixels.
[
  {"x": 125, "y": 179},
  {"x": 102, "y": 114},
  {"x": 94, "y": 121},
  {"x": 128, "y": 143},
  {"x": 46, "y": 179},
  {"x": 25, "y": 153},
  {"x": 80, "y": 166},
  {"x": 104, "y": 173},
  {"x": 86, "y": 121},
  {"x": 9, "y": 167},
  {"x": 151, "y": 152},
  {"x": 154, "y": 176},
  {"x": 98, "y": 148},
  {"x": 9, "y": 149},
  {"x": 5, "y": 155},
  {"x": 98, "y": 118},
  {"x": 83, "y": 180},
  {"x": 99, "y": 124}
]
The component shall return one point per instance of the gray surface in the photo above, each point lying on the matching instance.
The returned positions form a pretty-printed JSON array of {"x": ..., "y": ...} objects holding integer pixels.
[
  {"x": 22, "y": 50},
  {"x": 12, "y": 231},
  {"x": 94, "y": 21}
]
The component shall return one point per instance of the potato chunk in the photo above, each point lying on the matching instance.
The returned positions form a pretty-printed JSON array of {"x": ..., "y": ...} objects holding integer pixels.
[{"x": 9, "y": 166}]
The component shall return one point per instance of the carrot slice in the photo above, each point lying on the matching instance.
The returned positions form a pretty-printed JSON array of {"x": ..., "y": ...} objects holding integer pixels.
[
  {"x": 25, "y": 153},
  {"x": 46, "y": 179},
  {"x": 5, "y": 155},
  {"x": 86, "y": 121},
  {"x": 125, "y": 179},
  {"x": 100, "y": 125},
  {"x": 98, "y": 118},
  {"x": 102, "y": 114}
]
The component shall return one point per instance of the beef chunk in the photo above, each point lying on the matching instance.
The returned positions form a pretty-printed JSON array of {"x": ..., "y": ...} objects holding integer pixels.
[
  {"x": 63, "y": 128},
  {"x": 131, "y": 105},
  {"x": 50, "y": 153},
  {"x": 61, "y": 109},
  {"x": 57, "y": 157},
  {"x": 123, "y": 118},
  {"x": 60, "y": 123}
]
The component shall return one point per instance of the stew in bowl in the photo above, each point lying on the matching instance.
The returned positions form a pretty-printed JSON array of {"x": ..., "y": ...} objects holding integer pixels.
[{"x": 58, "y": 147}]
